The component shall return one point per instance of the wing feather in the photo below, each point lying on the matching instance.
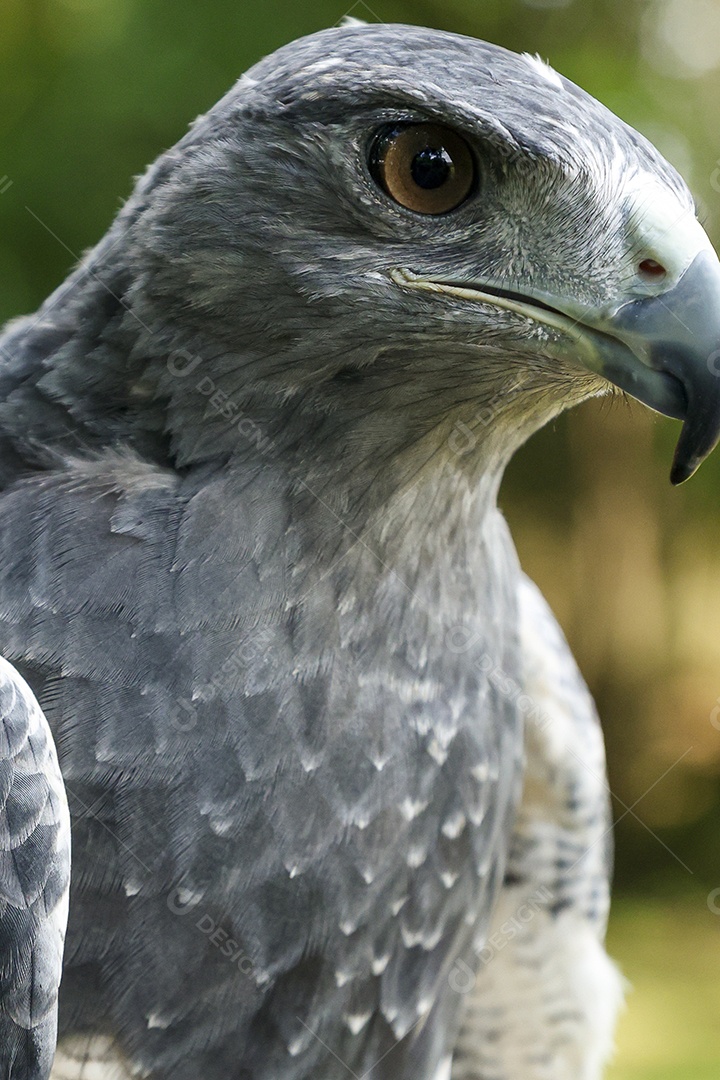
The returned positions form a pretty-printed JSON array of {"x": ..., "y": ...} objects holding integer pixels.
[
  {"x": 34, "y": 882},
  {"x": 545, "y": 997}
]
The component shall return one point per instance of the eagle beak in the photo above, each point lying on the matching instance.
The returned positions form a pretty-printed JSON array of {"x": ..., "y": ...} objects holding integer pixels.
[
  {"x": 663, "y": 349},
  {"x": 676, "y": 338}
]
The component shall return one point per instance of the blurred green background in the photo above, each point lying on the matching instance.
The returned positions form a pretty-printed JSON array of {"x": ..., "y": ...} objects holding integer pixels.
[{"x": 92, "y": 90}]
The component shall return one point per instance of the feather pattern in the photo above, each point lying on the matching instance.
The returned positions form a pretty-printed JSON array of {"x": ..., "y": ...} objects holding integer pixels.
[
  {"x": 545, "y": 998},
  {"x": 34, "y": 882},
  {"x": 252, "y": 565}
]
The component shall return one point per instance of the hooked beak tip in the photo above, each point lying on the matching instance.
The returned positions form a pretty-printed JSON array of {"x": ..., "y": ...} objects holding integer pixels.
[
  {"x": 682, "y": 470},
  {"x": 677, "y": 331}
]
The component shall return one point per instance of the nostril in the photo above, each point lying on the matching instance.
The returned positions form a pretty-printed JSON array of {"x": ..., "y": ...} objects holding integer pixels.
[{"x": 651, "y": 269}]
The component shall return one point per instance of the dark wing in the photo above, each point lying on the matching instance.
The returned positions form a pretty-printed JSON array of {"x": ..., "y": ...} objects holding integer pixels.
[{"x": 34, "y": 882}]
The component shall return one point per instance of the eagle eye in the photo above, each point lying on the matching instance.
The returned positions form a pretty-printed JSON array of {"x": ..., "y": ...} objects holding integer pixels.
[{"x": 427, "y": 168}]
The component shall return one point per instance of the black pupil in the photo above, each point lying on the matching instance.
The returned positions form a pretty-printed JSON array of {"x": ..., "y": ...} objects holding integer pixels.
[{"x": 431, "y": 167}]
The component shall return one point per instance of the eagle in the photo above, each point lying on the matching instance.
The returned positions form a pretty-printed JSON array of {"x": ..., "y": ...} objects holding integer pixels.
[{"x": 337, "y": 788}]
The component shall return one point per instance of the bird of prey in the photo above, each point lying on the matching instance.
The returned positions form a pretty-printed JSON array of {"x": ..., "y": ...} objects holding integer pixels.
[
  {"x": 34, "y": 882},
  {"x": 336, "y": 784}
]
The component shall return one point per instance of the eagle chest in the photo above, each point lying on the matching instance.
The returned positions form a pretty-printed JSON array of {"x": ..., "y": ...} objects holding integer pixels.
[{"x": 398, "y": 770}]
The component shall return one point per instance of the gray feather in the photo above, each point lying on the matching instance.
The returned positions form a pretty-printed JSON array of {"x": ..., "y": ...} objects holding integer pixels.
[
  {"x": 34, "y": 882},
  {"x": 237, "y": 539}
]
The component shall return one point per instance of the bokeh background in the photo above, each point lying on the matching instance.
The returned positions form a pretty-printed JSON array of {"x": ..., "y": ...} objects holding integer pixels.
[{"x": 92, "y": 90}]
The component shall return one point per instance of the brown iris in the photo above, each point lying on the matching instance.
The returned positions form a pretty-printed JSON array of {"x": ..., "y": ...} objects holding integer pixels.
[{"x": 427, "y": 168}]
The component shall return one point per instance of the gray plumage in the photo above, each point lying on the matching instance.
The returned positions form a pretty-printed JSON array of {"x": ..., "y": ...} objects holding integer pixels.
[
  {"x": 34, "y": 882},
  {"x": 252, "y": 565}
]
